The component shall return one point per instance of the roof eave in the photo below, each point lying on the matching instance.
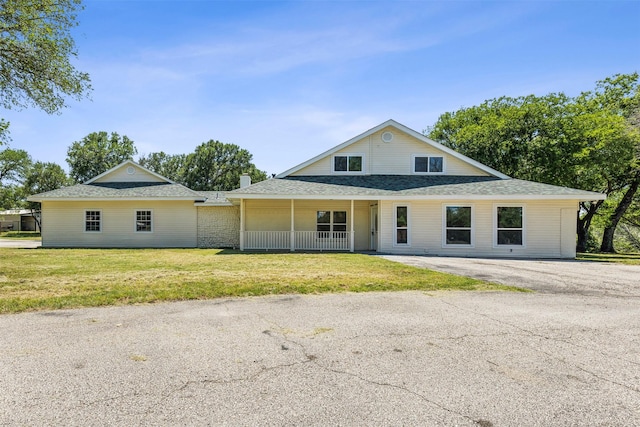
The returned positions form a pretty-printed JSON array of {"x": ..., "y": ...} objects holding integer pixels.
[{"x": 578, "y": 198}]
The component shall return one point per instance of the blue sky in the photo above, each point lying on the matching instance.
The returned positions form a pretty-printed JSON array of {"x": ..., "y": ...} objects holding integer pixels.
[{"x": 289, "y": 80}]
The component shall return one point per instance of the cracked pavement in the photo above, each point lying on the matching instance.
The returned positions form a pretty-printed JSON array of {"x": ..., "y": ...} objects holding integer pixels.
[{"x": 407, "y": 358}]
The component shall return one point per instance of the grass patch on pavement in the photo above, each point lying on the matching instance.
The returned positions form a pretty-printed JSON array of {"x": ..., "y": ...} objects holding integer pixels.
[
  {"x": 630, "y": 259},
  {"x": 38, "y": 279},
  {"x": 25, "y": 235}
]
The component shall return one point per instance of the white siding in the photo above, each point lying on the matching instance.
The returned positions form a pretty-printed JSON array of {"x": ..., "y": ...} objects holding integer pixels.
[
  {"x": 543, "y": 231},
  {"x": 174, "y": 224},
  {"x": 391, "y": 158}
]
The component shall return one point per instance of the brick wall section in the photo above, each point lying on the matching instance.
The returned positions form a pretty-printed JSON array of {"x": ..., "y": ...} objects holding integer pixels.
[{"x": 218, "y": 227}]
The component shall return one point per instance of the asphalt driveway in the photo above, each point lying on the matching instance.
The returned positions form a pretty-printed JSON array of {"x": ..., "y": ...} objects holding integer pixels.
[
  {"x": 408, "y": 358},
  {"x": 548, "y": 276}
]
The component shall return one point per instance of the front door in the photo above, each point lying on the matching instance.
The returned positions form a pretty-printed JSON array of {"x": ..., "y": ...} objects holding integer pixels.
[{"x": 373, "y": 221}]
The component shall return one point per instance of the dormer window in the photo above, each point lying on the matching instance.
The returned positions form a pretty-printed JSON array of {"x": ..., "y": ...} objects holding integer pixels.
[
  {"x": 428, "y": 164},
  {"x": 347, "y": 163}
]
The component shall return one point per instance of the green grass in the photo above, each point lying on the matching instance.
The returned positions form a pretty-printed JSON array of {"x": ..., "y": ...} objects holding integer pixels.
[
  {"x": 29, "y": 235},
  {"x": 39, "y": 279},
  {"x": 630, "y": 259}
]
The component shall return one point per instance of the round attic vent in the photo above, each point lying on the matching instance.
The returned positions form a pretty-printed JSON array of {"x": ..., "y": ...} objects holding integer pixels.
[
  {"x": 387, "y": 136},
  {"x": 131, "y": 170}
]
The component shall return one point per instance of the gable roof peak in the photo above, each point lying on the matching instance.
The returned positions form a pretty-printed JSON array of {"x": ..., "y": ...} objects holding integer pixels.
[
  {"x": 129, "y": 163},
  {"x": 408, "y": 131}
]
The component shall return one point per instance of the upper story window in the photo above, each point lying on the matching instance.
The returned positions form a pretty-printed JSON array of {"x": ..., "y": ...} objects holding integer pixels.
[
  {"x": 428, "y": 164},
  {"x": 348, "y": 163},
  {"x": 93, "y": 221},
  {"x": 144, "y": 221}
]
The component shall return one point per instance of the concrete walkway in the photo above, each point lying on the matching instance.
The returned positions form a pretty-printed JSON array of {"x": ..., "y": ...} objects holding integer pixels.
[{"x": 20, "y": 243}]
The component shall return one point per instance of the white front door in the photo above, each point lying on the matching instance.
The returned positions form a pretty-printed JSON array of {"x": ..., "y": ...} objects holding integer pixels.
[{"x": 373, "y": 221}]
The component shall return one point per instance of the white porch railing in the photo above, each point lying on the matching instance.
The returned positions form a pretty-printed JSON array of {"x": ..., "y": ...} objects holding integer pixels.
[
  {"x": 302, "y": 240},
  {"x": 275, "y": 240}
]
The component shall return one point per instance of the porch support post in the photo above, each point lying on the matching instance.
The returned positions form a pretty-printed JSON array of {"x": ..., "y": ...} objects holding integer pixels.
[
  {"x": 351, "y": 234},
  {"x": 293, "y": 231},
  {"x": 242, "y": 224}
]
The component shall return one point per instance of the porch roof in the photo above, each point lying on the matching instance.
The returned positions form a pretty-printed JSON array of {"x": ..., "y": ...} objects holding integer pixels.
[{"x": 406, "y": 187}]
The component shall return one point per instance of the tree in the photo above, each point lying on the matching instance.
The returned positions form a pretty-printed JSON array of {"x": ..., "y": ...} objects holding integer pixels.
[
  {"x": 216, "y": 166},
  {"x": 97, "y": 153},
  {"x": 11, "y": 196},
  {"x": 35, "y": 52},
  {"x": 13, "y": 164},
  {"x": 574, "y": 142},
  {"x": 168, "y": 165},
  {"x": 620, "y": 95},
  {"x": 43, "y": 177}
]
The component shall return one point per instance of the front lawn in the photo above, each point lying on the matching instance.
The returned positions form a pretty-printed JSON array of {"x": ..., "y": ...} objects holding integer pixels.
[
  {"x": 39, "y": 279},
  {"x": 631, "y": 259},
  {"x": 28, "y": 235}
]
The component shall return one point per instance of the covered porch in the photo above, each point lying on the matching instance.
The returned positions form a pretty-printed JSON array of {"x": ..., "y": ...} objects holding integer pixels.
[{"x": 308, "y": 225}]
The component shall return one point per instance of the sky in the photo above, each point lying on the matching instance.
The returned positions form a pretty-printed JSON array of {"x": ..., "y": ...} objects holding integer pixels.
[{"x": 290, "y": 80}]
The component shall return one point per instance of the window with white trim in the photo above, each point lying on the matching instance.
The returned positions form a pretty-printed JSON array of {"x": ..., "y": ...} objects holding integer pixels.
[
  {"x": 331, "y": 224},
  {"x": 93, "y": 221},
  {"x": 348, "y": 163},
  {"x": 458, "y": 225},
  {"x": 428, "y": 164},
  {"x": 509, "y": 221},
  {"x": 144, "y": 221},
  {"x": 402, "y": 236}
]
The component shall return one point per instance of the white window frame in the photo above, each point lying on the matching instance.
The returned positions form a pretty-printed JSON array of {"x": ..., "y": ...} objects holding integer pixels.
[
  {"x": 135, "y": 221},
  {"x": 347, "y": 155},
  {"x": 472, "y": 229},
  {"x": 100, "y": 221},
  {"x": 395, "y": 225},
  {"x": 428, "y": 156},
  {"x": 523, "y": 229}
]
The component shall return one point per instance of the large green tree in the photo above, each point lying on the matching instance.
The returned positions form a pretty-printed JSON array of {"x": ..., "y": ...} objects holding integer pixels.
[
  {"x": 13, "y": 165},
  {"x": 217, "y": 166},
  {"x": 36, "y": 50},
  {"x": 619, "y": 98},
  {"x": 555, "y": 139},
  {"x": 213, "y": 166},
  {"x": 41, "y": 177},
  {"x": 98, "y": 152},
  {"x": 168, "y": 165}
]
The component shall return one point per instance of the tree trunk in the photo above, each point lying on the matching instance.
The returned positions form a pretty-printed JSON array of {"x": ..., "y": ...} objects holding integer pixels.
[
  {"x": 36, "y": 219},
  {"x": 609, "y": 231},
  {"x": 584, "y": 223}
]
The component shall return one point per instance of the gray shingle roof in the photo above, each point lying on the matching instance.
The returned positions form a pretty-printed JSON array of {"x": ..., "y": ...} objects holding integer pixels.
[
  {"x": 407, "y": 185},
  {"x": 121, "y": 190}
]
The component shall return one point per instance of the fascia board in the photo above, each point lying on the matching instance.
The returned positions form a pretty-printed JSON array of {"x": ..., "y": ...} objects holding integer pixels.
[
  {"x": 107, "y": 199},
  {"x": 596, "y": 196}
]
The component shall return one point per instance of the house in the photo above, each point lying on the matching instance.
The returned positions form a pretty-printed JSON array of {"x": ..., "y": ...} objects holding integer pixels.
[
  {"x": 390, "y": 190},
  {"x": 18, "y": 220}
]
